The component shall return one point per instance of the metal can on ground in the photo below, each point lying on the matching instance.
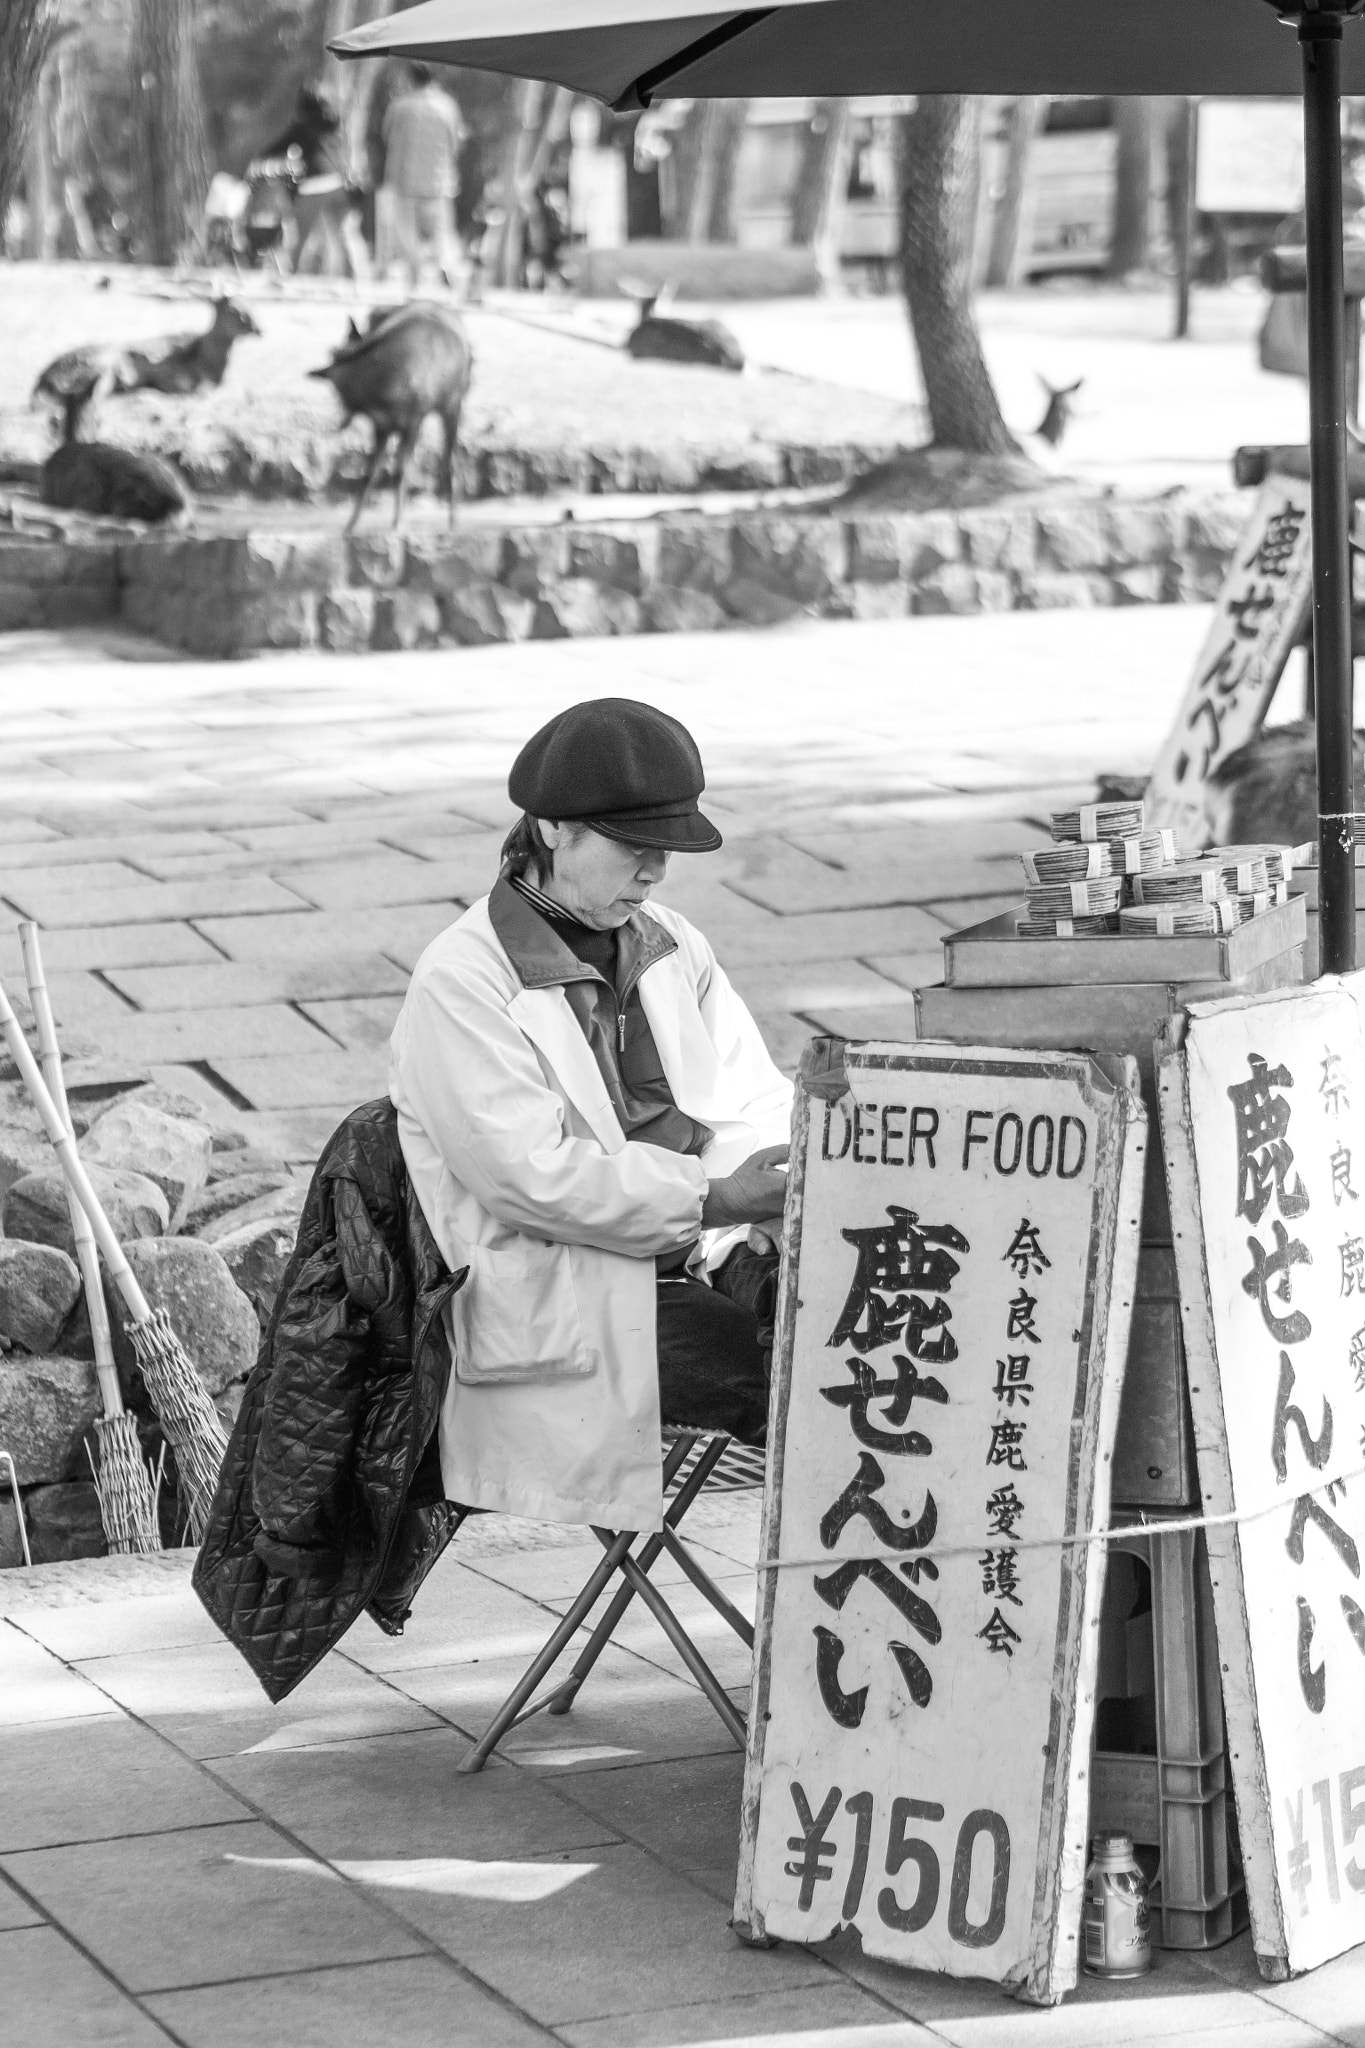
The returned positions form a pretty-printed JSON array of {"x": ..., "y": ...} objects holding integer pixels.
[{"x": 1114, "y": 1921}]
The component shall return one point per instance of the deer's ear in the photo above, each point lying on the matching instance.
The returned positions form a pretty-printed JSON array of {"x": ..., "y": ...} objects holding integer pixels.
[{"x": 1071, "y": 389}]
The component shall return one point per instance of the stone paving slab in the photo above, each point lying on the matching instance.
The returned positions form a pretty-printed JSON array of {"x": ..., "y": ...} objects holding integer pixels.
[
  {"x": 263, "y": 1031},
  {"x": 55, "y": 1997},
  {"x": 303, "y": 1080},
  {"x": 130, "y": 1783},
  {"x": 238, "y": 985},
  {"x": 420, "y": 2001},
  {"x": 203, "y": 1905}
]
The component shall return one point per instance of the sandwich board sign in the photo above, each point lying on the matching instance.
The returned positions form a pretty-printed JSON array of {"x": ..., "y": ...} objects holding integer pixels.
[
  {"x": 1262, "y": 1105},
  {"x": 1258, "y": 616},
  {"x": 962, "y": 1237}
]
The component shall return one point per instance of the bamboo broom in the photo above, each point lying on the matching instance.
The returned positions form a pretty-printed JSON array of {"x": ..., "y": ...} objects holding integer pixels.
[
  {"x": 188, "y": 1418},
  {"x": 123, "y": 1480}
]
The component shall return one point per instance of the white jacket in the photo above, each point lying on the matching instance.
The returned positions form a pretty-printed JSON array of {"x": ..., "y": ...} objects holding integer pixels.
[{"x": 524, "y": 1175}]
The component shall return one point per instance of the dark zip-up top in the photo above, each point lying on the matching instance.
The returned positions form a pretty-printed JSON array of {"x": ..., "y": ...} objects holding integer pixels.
[{"x": 600, "y": 975}]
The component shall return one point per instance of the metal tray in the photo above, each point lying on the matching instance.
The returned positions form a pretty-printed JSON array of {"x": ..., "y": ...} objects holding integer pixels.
[{"x": 992, "y": 955}]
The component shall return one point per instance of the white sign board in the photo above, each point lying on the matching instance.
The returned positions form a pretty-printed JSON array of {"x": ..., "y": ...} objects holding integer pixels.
[
  {"x": 1258, "y": 617},
  {"x": 1263, "y": 1115},
  {"x": 962, "y": 1234},
  {"x": 1250, "y": 156}
]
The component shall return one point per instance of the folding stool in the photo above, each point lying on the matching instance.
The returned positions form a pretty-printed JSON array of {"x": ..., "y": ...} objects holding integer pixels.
[{"x": 678, "y": 1444}]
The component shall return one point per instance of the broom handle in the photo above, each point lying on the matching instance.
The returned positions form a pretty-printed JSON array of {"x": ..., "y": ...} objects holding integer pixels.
[
  {"x": 64, "y": 1145},
  {"x": 87, "y": 1257}
]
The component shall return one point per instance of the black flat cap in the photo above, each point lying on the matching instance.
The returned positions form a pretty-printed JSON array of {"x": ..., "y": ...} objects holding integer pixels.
[{"x": 624, "y": 768}]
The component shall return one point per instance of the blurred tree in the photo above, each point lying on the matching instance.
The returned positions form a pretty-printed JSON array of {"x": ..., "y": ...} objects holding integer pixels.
[
  {"x": 681, "y": 171},
  {"x": 822, "y": 158},
  {"x": 713, "y": 217},
  {"x": 938, "y": 152},
  {"x": 1022, "y": 122},
  {"x": 25, "y": 29},
  {"x": 1128, "y": 249},
  {"x": 170, "y": 169}
]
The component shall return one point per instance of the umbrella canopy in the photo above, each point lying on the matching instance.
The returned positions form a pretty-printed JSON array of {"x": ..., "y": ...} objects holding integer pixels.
[{"x": 629, "y": 52}]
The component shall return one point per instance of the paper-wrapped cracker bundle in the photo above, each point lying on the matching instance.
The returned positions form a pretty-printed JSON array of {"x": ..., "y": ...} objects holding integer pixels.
[
  {"x": 1099, "y": 898},
  {"x": 1099, "y": 821},
  {"x": 1251, "y": 906},
  {"x": 1138, "y": 856},
  {"x": 1193, "y": 881},
  {"x": 1044, "y": 927},
  {"x": 1174, "y": 920},
  {"x": 1279, "y": 860},
  {"x": 1070, "y": 863}
]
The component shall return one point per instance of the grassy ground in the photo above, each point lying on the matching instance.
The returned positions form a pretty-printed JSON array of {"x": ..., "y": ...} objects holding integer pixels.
[{"x": 547, "y": 411}]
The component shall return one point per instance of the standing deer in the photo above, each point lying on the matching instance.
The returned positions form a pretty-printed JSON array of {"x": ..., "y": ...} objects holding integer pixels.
[{"x": 413, "y": 361}]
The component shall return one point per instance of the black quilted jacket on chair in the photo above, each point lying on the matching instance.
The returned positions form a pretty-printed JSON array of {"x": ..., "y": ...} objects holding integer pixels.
[{"x": 329, "y": 1500}]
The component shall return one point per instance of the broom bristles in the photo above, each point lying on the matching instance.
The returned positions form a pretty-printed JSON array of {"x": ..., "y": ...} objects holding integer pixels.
[
  {"x": 124, "y": 1488},
  {"x": 189, "y": 1421}
]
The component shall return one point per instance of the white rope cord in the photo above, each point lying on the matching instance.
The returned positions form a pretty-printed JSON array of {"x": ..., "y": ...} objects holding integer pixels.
[{"x": 1185, "y": 1525}]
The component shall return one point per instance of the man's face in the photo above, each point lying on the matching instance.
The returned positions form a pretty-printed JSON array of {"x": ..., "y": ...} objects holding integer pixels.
[{"x": 600, "y": 881}]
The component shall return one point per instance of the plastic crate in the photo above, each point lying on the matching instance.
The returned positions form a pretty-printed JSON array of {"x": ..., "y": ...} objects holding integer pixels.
[{"x": 1160, "y": 1763}]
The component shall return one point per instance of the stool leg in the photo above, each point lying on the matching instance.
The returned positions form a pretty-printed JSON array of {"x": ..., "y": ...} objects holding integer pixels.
[
  {"x": 649, "y": 1551},
  {"x": 706, "y": 1585},
  {"x": 686, "y": 1649},
  {"x": 617, "y": 1548}
]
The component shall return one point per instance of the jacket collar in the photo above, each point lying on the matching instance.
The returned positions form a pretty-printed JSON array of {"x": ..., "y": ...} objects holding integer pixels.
[{"x": 542, "y": 959}]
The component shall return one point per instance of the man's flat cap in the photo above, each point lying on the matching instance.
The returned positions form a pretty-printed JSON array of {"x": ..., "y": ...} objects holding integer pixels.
[{"x": 624, "y": 768}]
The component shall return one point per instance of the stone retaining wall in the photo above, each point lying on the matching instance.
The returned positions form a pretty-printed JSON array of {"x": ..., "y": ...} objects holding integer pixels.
[{"x": 222, "y": 594}]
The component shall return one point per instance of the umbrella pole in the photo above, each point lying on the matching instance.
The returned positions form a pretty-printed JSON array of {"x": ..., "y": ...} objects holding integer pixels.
[{"x": 1320, "y": 46}]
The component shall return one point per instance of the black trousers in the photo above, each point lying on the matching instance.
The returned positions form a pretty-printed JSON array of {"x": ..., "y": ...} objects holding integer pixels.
[{"x": 715, "y": 1346}]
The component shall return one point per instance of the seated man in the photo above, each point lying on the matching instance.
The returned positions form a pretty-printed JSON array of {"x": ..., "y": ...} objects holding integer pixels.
[{"x": 592, "y": 1124}]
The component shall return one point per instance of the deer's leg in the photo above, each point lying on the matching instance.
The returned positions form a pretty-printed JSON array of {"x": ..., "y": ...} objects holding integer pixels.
[
  {"x": 407, "y": 441},
  {"x": 452, "y": 427},
  {"x": 381, "y": 442}
]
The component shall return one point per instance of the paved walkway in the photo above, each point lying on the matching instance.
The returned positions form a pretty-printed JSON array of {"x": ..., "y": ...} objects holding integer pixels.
[{"x": 235, "y": 868}]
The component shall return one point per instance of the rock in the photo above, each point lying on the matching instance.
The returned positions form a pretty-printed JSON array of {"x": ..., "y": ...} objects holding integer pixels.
[
  {"x": 256, "y": 1255},
  {"x": 404, "y": 619},
  {"x": 209, "y": 1313},
  {"x": 39, "y": 1287},
  {"x": 223, "y": 1196},
  {"x": 229, "y": 1405},
  {"x": 35, "y": 1207},
  {"x": 63, "y": 1521},
  {"x": 746, "y": 599},
  {"x": 225, "y": 1140},
  {"x": 170, "y": 1100},
  {"x": 173, "y": 1151},
  {"x": 676, "y": 609},
  {"x": 231, "y": 1163},
  {"x": 281, "y": 1202},
  {"x": 48, "y": 1406}
]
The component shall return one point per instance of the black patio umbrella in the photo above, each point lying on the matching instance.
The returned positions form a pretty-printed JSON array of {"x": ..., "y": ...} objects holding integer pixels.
[{"x": 629, "y": 53}]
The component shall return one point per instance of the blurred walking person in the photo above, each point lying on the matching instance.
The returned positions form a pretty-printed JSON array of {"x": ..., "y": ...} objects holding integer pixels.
[
  {"x": 423, "y": 130},
  {"x": 326, "y": 203}
]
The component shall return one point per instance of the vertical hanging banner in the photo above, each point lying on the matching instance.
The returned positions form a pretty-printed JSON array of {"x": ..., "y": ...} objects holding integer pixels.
[
  {"x": 1258, "y": 615},
  {"x": 1263, "y": 1116},
  {"x": 962, "y": 1235}
]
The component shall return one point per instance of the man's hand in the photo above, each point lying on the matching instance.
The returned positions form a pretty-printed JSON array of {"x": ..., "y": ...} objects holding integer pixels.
[{"x": 753, "y": 1193}]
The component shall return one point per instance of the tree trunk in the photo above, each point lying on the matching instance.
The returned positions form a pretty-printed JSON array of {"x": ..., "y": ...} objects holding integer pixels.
[
  {"x": 713, "y": 200},
  {"x": 1011, "y": 216},
  {"x": 1181, "y": 131},
  {"x": 822, "y": 153},
  {"x": 1132, "y": 186},
  {"x": 680, "y": 171},
  {"x": 25, "y": 29},
  {"x": 938, "y": 148},
  {"x": 40, "y": 180},
  {"x": 169, "y": 165}
]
